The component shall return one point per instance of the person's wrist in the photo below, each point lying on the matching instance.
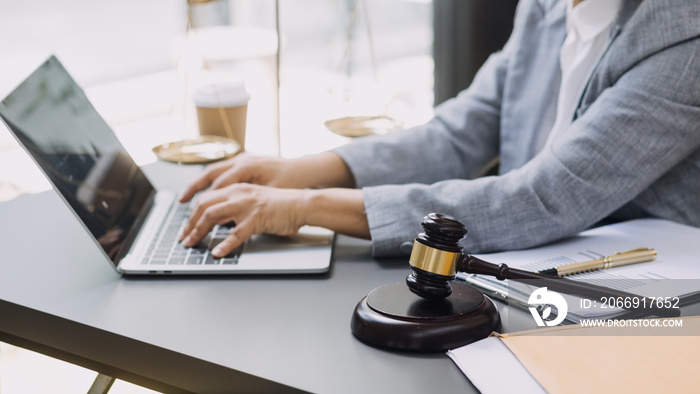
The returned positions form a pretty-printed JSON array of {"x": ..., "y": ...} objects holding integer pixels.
[
  {"x": 337, "y": 209},
  {"x": 300, "y": 172},
  {"x": 307, "y": 207},
  {"x": 322, "y": 170}
]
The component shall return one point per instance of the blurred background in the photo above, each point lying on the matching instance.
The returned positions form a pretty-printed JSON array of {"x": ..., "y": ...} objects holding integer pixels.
[
  {"x": 136, "y": 60},
  {"x": 139, "y": 60}
]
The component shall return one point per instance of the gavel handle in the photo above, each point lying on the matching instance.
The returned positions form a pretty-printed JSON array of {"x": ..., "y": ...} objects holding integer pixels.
[{"x": 474, "y": 265}]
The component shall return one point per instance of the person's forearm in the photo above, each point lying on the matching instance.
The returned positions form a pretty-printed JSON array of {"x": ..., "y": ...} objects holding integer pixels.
[
  {"x": 321, "y": 170},
  {"x": 340, "y": 210},
  {"x": 458, "y": 143}
]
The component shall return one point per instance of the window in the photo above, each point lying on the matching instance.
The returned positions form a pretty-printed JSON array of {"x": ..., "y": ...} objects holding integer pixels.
[{"x": 133, "y": 60}]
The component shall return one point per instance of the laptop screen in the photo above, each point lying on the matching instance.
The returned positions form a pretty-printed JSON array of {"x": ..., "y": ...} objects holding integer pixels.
[{"x": 52, "y": 118}]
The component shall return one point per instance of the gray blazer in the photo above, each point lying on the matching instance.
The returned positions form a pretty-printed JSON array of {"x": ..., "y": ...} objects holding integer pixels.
[{"x": 632, "y": 150}]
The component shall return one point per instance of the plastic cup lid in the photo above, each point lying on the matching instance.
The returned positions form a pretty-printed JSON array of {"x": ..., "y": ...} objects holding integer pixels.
[{"x": 221, "y": 94}]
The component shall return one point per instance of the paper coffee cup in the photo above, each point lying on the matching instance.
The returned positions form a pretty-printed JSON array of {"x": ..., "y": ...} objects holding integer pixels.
[{"x": 222, "y": 110}]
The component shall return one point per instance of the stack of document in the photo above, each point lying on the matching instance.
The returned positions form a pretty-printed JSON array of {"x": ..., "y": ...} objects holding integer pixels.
[{"x": 677, "y": 247}]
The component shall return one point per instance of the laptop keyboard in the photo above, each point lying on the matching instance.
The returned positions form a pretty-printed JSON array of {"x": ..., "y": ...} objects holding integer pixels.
[{"x": 165, "y": 249}]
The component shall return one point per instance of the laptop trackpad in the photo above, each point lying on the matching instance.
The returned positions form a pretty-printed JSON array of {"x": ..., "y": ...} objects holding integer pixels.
[{"x": 307, "y": 237}]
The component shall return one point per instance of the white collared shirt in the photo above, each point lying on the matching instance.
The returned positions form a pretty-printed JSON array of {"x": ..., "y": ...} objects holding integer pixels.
[{"x": 587, "y": 27}]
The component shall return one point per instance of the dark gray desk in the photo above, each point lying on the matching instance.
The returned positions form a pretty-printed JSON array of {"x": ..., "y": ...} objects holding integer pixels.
[{"x": 58, "y": 296}]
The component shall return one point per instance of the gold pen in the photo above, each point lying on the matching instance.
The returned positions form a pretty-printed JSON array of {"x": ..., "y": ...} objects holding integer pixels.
[{"x": 633, "y": 256}]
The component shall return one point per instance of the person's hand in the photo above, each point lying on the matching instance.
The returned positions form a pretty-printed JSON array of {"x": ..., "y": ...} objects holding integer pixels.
[
  {"x": 322, "y": 170},
  {"x": 244, "y": 168},
  {"x": 268, "y": 195},
  {"x": 255, "y": 209}
]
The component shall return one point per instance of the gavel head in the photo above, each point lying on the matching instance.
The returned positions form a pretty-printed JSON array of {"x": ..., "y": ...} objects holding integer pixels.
[{"x": 435, "y": 255}]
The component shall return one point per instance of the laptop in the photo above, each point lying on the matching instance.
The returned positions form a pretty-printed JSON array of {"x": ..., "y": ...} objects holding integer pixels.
[{"x": 133, "y": 224}]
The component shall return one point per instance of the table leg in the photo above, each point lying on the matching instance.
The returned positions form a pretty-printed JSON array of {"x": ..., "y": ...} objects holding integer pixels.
[{"x": 102, "y": 384}]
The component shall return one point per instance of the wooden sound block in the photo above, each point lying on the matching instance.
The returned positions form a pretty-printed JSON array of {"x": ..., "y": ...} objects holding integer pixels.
[{"x": 393, "y": 317}]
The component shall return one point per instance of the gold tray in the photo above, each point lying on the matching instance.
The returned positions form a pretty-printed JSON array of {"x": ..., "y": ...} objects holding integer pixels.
[
  {"x": 202, "y": 150},
  {"x": 359, "y": 126}
]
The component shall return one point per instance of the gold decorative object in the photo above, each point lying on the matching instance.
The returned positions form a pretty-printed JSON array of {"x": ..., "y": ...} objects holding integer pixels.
[
  {"x": 205, "y": 148},
  {"x": 201, "y": 150},
  {"x": 359, "y": 126}
]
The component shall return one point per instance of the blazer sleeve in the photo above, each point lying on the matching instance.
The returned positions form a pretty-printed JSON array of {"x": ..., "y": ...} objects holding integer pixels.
[{"x": 638, "y": 129}]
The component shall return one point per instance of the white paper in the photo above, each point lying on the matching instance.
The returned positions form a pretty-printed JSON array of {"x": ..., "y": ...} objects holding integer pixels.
[{"x": 493, "y": 368}]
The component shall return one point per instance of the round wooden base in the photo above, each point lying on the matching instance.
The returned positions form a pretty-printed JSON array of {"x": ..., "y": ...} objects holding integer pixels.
[{"x": 393, "y": 317}]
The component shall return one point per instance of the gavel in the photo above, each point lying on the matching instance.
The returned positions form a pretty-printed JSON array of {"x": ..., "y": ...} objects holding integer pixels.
[{"x": 437, "y": 255}]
